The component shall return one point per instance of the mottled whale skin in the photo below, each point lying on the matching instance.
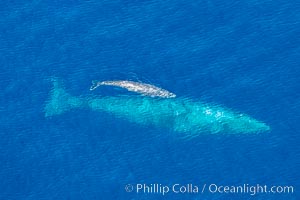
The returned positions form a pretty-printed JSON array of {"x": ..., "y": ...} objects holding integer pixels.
[
  {"x": 141, "y": 88},
  {"x": 176, "y": 114}
]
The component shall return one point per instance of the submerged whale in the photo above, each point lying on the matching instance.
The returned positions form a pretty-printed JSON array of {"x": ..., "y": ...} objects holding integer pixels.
[
  {"x": 142, "y": 88},
  {"x": 176, "y": 114}
]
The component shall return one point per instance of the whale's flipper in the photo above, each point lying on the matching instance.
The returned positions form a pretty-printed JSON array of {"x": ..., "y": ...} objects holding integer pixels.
[{"x": 60, "y": 101}]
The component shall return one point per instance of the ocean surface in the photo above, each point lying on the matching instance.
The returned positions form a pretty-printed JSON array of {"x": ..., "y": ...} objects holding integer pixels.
[{"x": 242, "y": 55}]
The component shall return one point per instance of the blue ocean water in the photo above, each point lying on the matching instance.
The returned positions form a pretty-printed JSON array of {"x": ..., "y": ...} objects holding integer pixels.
[{"x": 243, "y": 55}]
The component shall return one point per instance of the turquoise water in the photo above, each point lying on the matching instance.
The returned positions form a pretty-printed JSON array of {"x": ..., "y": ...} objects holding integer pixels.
[{"x": 238, "y": 55}]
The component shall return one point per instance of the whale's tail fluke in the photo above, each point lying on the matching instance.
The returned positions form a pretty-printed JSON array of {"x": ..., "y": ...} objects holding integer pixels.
[
  {"x": 60, "y": 101},
  {"x": 95, "y": 84}
]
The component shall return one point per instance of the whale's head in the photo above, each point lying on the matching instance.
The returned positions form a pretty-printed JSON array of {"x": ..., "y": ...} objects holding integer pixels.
[
  {"x": 214, "y": 119},
  {"x": 245, "y": 124}
]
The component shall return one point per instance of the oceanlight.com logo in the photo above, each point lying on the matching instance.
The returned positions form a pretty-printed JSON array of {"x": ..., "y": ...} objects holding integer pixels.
[
  {"x": 161, "y": 189},
  {"x": 250, "y": 189}
]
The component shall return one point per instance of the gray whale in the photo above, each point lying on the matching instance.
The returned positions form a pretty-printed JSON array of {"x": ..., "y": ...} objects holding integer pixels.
[
  {"x": 180, "y": 115},
  {"x": 141, "y": 88}
]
